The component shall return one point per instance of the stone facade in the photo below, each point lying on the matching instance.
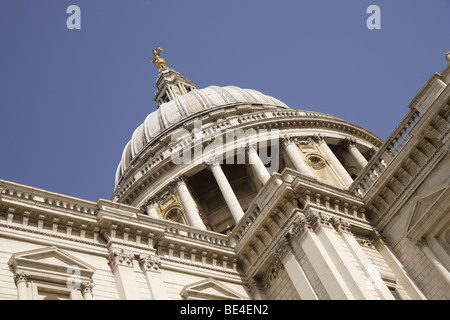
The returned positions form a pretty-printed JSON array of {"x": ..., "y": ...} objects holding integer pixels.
[{"x": 344, "y": 215}]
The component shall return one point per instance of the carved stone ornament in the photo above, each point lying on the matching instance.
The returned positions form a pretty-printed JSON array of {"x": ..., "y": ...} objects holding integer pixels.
[
  {"x": 174, "y": 183},
  {"x": 348, "y": 142},
  {"x": 282, "y": 248},
  {"x": 341, "y": 225},
  {"x": 272, "y": 273},
  {"x": 150, "y": 262},
  {"x": 378, "y": 239},
  {"x": 213, "y": 161},
  {"x": 421, "y": 242},
  {"x": 317, "y": 138},
  {"x": 86, "y": 287},
  {"x": 320, "y": 219},
  {"x": 150, "y": 201},
  {"x": 300, "y": 226},
  {"x": 20, "y": 277},
  {"x": 120, "y": 257}
]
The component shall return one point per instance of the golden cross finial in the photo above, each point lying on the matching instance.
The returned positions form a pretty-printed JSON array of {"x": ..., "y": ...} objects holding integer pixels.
[{"x": 159, "y": 62}]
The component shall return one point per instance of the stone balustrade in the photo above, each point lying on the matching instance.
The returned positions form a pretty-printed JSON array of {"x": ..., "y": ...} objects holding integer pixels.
[{"x": 381, "y": 160}]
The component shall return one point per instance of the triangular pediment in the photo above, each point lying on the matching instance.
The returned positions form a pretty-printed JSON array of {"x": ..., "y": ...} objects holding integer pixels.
[
  {"x": 209, "y": 289},
  {"x": 50, "y": 260},
  {"x": 424, "y": 205}
]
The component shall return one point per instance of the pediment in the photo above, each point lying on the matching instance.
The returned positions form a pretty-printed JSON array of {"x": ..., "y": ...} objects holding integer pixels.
[
  {"x": 209, "y": 289},
  {"x": 427, "y": 208},
  {"x": 50, "y": 260}
]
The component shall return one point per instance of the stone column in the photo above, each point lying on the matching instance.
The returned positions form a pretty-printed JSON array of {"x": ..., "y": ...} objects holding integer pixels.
[
  {"x": 257, "y": 164},
  {"x": 320, "y": 259},
  {"x": 295, "y": 271},
  {"x": 188, "y": 202},
  {"x": 227, "y": 192},
  {"x": 340, "y": 257},
  {"x": 86, "y": 290},
  {"x": 350, "y": 144},
  {"x": 151, "y": 206},
  {"x": 295, "y": 156},
  {"x": 121, "y": 263},
  {"x": 373, "y": 278},
  {"x": 337, "y": 165},
  {"x": 21, "y": 280},
  {"x": 150, "y": 265}
]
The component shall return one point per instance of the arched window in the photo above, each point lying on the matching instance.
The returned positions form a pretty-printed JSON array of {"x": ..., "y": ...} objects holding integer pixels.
[{"x": 175, "y": 214}]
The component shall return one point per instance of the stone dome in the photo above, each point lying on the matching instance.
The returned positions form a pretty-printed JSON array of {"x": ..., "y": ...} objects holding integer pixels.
[{"x": 184, "y": 107}]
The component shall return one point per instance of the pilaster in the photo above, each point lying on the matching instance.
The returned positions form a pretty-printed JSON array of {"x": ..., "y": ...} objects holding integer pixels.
[
  {"x": 293, "y": 268},
  {"x": 121, "y": 263},
  {"x": 329, "y": 275},
  {"x": 150, "y": 265}
]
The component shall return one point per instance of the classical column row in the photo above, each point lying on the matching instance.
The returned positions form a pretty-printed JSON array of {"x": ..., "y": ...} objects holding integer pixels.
[
  {"x": 190, "y": 207},
  {"x": 294, "y": 154},
  {"x": 336, "y": 257},
  {"x": 187, "y": 200}
]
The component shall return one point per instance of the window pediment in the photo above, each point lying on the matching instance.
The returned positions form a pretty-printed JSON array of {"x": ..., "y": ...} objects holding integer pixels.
[
  {"x": 209, "y": 289},
  {"x": 51, "y": 263}
]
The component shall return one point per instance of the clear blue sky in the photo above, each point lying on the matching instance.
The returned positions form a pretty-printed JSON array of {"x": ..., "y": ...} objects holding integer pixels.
[{"x": 71, "y": 99}]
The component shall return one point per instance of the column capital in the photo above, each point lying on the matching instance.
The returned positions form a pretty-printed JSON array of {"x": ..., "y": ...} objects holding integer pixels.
[
  {"x": 213, "y": 161},
  {"x": 120, "y": 257},
  {"x": 341, "y": 225},
  {"x": 300, "y": 226},
  {"x": 378, "y": 239},
  {"x": 282, "y": 248},
  {"x": 150, "y": 201},
  {"x": 86, "y": 287},
  {"x": 253, "y": 286},
  {"x": 320, "y": 219},
  {"x": 318, "y": 138},
  {"x": 251, "y": 147},
  {"x": 271, "y": 273},
  {"x": 421, "y": 242},
  {"x": 179, "y": 180},
  {"x": 349, "y": 142},
  {"x": 20, "y": 277},
  {"x": 149, "y": 262},
  {"x": 287, "y": 140}
]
